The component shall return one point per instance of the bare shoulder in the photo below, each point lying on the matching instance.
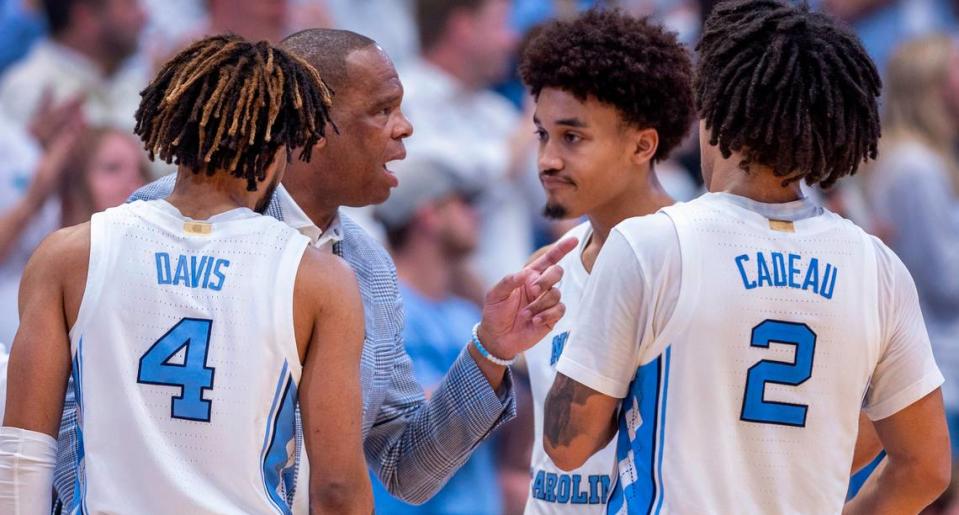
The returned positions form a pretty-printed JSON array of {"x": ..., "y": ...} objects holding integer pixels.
[
  {"x": 62, "y": 253},
  {"x": 324, "y": 276},
  {"x": 58, "y": 270}
]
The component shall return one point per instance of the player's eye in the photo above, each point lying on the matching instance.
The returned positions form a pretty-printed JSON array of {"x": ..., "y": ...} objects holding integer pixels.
[
  {"x": 571, "y": 137},
  {"x": 541, "y": 135}
]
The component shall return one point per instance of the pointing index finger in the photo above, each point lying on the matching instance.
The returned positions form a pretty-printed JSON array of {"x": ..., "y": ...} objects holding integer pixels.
[{"x": 554, "y": 254}]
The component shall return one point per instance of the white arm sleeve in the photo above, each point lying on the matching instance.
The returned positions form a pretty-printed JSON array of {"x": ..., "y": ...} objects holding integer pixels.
[
  {"x": 906, "y": 371},
  {"x": 603, "y": 349},
  {"x": 27, "y": 459}
]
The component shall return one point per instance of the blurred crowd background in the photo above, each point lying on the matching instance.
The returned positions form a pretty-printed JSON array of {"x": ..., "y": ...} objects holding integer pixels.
[{"x": 468, "y": 209}]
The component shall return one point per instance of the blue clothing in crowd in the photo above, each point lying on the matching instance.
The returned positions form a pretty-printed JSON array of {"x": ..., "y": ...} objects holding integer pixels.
[
  {"x": 19, "y": 29},
  {"x": 434, "y": 340}
]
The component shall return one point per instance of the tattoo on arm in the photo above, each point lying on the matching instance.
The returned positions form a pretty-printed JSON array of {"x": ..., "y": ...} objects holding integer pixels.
[{"x": 557, "y": 427}]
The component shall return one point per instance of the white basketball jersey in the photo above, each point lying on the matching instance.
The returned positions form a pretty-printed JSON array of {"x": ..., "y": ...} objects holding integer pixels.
[
  {"x": 553, "y": 490},
  {"x": 748, "y": 401},
  {"x": 185, "y": 363}
]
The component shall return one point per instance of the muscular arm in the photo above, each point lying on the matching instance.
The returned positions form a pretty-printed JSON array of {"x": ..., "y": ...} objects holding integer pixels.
[
  {"x": 868, "y": 445},
  {"x": 330, "y": 394},
  {"x": 917, "y": 466},
  {"x": 39, "y": 366},
  {"x": 578, "y": 421},
  {"x": 38, "y": 369}
]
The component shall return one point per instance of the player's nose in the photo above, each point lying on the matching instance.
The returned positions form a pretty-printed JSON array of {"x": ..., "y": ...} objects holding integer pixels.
[{"x": 548, "y": 159}]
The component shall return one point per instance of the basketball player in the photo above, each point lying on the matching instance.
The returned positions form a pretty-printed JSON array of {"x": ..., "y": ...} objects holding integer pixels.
[
  {"x": 192, "y": 325},
  {"x": 613, "y": 97},
  {"x": 736, "y": 337}
]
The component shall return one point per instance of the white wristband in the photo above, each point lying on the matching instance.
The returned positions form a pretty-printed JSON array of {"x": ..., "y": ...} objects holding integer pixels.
[
  {"x": 485, "y": 353},
  {"x": 27, "y": 460}
]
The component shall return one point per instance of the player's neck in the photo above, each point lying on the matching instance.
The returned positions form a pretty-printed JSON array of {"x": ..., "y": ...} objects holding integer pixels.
[
  {"x": 759, "y": 183},
  {"x": 200, "y": 197},
  {"x": 643, "y": 197}
]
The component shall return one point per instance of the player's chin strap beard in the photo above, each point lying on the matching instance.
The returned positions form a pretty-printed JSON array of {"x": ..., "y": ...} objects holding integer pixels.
[{"x": 555, "y": 211}]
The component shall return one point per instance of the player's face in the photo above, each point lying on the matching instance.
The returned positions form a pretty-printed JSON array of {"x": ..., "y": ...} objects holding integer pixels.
[
  {"x": 371, "y": 130},
  {"x": 585, "y": 153}
]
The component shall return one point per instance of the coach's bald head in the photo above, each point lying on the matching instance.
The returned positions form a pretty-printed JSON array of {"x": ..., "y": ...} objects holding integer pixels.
[
  {"x": 327, "y": 50},
  {"x": 351, "y": 167}
]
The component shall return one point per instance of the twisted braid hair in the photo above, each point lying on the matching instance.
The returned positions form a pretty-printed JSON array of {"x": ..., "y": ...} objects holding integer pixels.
[
  {"x": 789, "y": 88},
  {"x": 225, "y": 103}
]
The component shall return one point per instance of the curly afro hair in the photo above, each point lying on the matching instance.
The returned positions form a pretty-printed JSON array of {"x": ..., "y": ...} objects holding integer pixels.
[
  {"x": 788, "y": 88},
  {"x": 626, "y": 62}
]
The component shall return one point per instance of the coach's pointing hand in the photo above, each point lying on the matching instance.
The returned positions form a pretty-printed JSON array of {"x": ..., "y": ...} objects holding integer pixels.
[{"x": 520, "y": 310}]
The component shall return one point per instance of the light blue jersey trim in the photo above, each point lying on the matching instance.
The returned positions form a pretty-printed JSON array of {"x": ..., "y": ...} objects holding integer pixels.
[
  {"x": 277, "y": 471},
  {"x": 662, "y": 430},
  {"x": 640, "y": 441},
  {"x": 79, "y": 485}
]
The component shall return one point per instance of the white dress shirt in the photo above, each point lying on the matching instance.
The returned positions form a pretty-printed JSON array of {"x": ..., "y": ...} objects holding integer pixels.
[{"x": 295, "y": 217}]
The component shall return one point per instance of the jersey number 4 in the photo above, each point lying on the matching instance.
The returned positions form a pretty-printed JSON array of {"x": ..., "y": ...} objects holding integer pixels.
[
  {"x": 755, "y": 407},
  {"x": 193, "y": 377}
]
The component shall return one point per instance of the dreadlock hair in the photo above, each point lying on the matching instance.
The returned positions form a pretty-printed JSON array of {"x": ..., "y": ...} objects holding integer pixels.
[
  {"x": 228, "y": 104},
  {"x": 788, "y": 88}
]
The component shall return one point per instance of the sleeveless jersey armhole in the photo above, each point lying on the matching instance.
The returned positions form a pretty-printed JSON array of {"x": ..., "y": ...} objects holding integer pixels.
[
  {"x": 99, "y": 261},
  {"x": 287, "y": 270},
  {"x": 689, "y": 280}
]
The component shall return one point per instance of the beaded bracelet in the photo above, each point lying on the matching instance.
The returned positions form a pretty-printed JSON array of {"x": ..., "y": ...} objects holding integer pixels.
[{"x": 482, "y": 350}]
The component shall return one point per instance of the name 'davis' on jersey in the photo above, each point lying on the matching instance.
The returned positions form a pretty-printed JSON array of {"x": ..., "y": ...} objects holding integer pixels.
[
  {"x": 791, "y": 271},
  {"x": 191, "y": 271}
]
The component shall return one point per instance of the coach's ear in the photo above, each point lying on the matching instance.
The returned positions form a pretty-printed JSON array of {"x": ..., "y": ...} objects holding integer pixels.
[{"x": 646, "y": 144}]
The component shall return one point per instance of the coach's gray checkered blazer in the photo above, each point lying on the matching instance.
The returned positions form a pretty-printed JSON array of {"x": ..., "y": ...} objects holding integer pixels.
[{"x": 413, "y": 445}]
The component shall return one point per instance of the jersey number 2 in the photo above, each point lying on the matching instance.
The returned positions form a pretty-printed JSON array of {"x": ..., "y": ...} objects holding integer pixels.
[
  {"x": 755, "y": 407},
  {"x": 193, "y": 376}
]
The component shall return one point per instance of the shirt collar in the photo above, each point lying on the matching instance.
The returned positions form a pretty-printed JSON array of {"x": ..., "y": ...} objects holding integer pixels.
[
  {"x": 295, "y": 217},
  {"x": 793, "y": 211}
]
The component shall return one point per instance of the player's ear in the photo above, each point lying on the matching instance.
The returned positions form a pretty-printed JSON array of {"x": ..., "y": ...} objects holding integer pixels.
[{"x": 646, "y": 144}]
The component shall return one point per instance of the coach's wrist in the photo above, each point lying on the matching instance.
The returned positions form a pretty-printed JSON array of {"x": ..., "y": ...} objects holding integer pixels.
[
  {"x": 492, "y": 344},
  {"x": 493, "y": 373}
]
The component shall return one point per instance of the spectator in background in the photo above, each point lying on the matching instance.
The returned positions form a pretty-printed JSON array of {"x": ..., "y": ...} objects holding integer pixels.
[
  {"x": 31, "y": 169},
  {"x": 252, "y": 19},
  {"x": 913, "y": 191},
  {"x": 466, "y": 47},
  {"x": 88, "y": 53},
  {"x": 883, "y": 25},
  {"x": 431, "y": 228},
  {"x": 398, "y": 37},
  {"x": 20, "y": 26},
  {"x": 104, "y": 169}
]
